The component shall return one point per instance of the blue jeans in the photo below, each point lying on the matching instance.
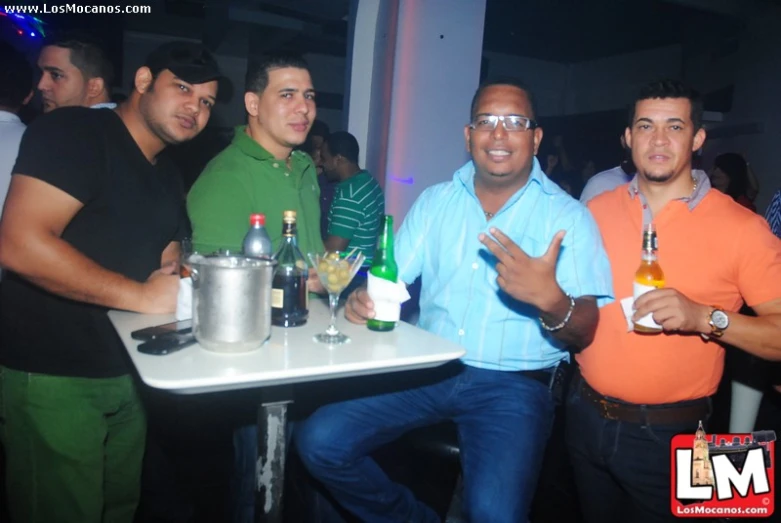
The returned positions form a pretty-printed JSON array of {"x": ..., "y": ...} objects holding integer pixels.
[
  {"x": 503, "y": 419},
  {"x": 622, "y": 470}
]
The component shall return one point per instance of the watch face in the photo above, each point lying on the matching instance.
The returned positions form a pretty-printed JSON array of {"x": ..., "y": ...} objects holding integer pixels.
[{"x": 720, "y": 319}]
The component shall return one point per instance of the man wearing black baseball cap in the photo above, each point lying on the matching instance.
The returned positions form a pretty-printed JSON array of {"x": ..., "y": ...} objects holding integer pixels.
[
  {"x": 92, "y": 222},
  {"x": 190, "y": 62}
]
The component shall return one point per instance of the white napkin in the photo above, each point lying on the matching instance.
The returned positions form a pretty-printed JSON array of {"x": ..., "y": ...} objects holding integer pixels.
[
  {"x": 628, "y": 306},
  {"x": 387, "y": 297},
  {"x": 184, "y": 300}
]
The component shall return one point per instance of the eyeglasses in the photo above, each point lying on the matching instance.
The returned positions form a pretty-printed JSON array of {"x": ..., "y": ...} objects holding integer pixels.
[{"x": 512, "y": 123}]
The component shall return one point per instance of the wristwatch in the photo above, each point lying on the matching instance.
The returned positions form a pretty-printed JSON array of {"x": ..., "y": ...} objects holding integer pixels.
[{"x": 718, "y": 321}]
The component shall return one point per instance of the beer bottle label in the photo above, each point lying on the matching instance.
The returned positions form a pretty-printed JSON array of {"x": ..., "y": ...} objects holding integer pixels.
[{"x": 648, "y": 320}]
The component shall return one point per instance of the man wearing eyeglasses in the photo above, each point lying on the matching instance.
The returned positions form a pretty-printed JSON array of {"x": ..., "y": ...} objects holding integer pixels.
[{"x": 512, "y": 269}]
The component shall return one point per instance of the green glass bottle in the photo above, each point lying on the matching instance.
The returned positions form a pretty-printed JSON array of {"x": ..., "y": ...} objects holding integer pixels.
[{"x": 383, "y": 268}]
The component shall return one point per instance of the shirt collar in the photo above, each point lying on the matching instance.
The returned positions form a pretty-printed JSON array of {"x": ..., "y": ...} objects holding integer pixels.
[
  {"x": 702, "y": 187},
  {"x": 6, "y": 116},
  {"x": 249, "y": 146},
  {"x": 351, "y": 178},
  {"x": 299, "y": 160},
  {"x": 466, "y": 176}
]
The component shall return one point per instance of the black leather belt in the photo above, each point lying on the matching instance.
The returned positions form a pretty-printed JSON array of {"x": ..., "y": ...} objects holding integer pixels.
[{"x": 666, "y": 414}]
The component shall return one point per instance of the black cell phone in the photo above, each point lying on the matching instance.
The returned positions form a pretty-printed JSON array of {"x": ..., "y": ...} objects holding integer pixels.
[
  {"x": 166, "y": 344},
  {"x": 150, "y": 333}
]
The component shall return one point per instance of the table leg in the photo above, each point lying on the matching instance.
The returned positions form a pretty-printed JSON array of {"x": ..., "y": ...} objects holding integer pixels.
[{"x": 270, "y": 468}]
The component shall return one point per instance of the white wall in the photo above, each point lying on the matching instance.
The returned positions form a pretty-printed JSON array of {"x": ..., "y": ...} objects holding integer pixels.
[
  {"x": 412, "y": 89},
  {"x": 436, "y": 70}
]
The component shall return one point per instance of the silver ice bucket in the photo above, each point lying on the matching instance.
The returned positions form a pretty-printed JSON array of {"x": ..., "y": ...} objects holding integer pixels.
[{"x": 231, "y": 301}]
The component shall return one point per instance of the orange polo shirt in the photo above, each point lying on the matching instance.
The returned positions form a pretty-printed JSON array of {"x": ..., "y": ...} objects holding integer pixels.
[{"x": 717, "y": 253}]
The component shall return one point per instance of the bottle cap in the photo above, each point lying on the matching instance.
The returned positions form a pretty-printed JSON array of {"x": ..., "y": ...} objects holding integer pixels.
[
  {"x": 289, "y": 216},
  {"x": 257, "y": 219}
]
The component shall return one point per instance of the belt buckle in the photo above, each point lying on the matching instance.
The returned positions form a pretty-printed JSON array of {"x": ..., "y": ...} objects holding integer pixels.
[{"x": 605, "y": 408}]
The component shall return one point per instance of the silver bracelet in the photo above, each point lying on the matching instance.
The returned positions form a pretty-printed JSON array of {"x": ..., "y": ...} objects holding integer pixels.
[{"x": 564, "y": 321}]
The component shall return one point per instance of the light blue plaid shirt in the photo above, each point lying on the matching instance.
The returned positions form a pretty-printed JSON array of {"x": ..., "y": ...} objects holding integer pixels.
[{"x": 460, "y": 299}]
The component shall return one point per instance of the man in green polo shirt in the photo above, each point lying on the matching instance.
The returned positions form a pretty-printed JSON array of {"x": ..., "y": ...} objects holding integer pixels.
[
  {"x": 260, "y": 173},
  {"x": 359, "y": 205}
]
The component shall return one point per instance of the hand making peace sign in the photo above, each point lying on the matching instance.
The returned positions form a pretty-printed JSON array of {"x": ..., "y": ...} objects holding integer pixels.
[{"x": 525, "y": 278}]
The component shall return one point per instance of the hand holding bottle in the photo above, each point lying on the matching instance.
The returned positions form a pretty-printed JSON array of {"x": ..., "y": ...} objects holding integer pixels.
[
  {"x": 673, "y": 311},
  {"x": 359, "y": 307},
  {"x": 526, "y": 278}
]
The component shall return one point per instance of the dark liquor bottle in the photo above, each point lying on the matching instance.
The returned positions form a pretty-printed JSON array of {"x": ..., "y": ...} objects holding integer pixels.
[
  {"x": 289, "y": 291},
  {"x": 382, "y": 272}
]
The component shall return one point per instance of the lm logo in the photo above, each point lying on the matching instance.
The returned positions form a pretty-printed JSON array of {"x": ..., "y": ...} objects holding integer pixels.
[{"x": 723, "y": 474}]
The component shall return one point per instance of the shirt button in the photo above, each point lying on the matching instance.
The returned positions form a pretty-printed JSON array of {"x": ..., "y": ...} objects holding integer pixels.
[
  {"x": 275, "y": 165},
  {"x": 475, "y": 266},
  {"x": 461, "y": 332},
  {"x": 287, "y": 174}
]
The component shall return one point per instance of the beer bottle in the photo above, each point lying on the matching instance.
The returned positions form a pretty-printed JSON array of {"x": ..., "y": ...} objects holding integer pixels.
[
  {"x": 649, "y": 276},
  {"x": 386, "y": 314}
]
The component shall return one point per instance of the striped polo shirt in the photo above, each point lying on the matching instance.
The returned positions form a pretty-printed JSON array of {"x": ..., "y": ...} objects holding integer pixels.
[{"x": 357, "y": 211}]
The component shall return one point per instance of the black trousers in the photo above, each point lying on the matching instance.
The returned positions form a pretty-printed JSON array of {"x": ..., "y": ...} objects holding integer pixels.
[{"x": 622, "y": 470}]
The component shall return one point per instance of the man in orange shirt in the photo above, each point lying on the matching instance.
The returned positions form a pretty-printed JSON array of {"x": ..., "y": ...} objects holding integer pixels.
[{"x": 638, "y": 390}]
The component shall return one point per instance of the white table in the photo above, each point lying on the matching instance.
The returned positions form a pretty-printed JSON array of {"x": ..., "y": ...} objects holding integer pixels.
[{"x": 290, "y": 356}]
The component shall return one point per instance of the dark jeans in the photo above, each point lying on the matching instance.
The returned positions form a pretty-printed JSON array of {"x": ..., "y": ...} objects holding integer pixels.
[
  {"x": 503, "y": 418},
  {"x": 622, "y": 470}
]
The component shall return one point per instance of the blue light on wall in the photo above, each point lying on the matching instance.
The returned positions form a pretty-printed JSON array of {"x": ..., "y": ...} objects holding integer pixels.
[{"x": 406, "y": 181}]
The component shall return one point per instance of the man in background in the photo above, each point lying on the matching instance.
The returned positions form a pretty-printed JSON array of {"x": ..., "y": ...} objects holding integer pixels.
[
  {"x": 16, "y": 90},
  {"x": 358, "y": 207},
  {"x": 313, "y": 146},
  {"x": 75, "y": 70},
  {"x": 608, "y": 180}
]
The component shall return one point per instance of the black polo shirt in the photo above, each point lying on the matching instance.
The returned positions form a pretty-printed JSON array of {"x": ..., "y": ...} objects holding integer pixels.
[{"x": 132, "y": 211}]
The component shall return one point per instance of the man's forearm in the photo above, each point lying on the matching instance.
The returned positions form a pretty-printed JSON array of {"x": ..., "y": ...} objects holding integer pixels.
[
  {"x": 578, "y": 332},
  {"x": 55, "y": 265},
  {"x": 760, "y": 336}
]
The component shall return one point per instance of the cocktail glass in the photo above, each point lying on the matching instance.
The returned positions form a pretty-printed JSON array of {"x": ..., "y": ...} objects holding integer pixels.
[{"x": 336, "y": 270}]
